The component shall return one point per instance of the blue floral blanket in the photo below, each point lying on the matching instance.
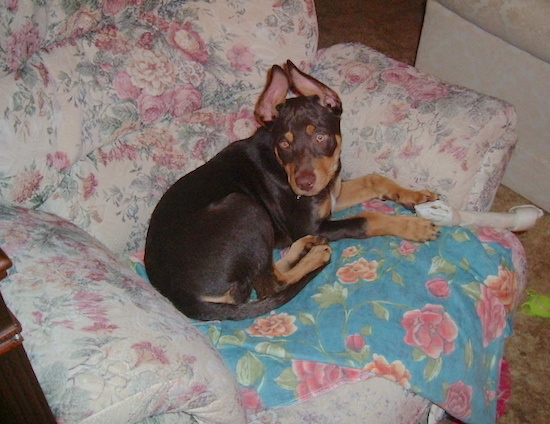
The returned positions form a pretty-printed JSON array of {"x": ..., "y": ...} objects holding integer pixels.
[{"x": 433, "y": 317}]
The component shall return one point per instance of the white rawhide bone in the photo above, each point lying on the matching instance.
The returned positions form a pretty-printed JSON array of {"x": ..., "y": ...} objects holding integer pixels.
[{"x": 519, "y": 218}]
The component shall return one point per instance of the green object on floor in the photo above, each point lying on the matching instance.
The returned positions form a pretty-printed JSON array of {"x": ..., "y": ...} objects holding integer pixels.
[{"x": 536, "y": 305}]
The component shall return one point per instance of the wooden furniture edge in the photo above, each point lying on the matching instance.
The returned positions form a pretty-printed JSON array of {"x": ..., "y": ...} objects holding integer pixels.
[{"x": 22, "y": 400}]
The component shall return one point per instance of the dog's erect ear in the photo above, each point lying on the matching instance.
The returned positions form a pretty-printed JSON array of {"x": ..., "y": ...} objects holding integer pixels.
[
  {"x": 308, "y": 86},
  {"x": 273, "y": 95}
]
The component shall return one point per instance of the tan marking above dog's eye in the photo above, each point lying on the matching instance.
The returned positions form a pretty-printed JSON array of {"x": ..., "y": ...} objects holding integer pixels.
[
  {"x": 321, "y": 138},
  {"x": 289, "y": 136},
  {"x": 310, "y": 129}
]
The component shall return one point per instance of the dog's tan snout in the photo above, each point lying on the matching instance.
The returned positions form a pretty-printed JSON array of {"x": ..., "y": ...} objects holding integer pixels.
[{"x": 306, "y": 180}]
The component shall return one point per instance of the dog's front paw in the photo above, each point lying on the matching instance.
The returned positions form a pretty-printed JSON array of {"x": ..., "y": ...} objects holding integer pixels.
[
  {"x": 417, "y": 229},
  {"x": 319, "y": 255},
  {"x": 411, "y": 198},
  {"x": 311, "y": 241}
]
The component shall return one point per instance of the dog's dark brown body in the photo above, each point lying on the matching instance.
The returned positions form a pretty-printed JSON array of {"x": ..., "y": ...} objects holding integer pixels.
[{"x": 212, "y": 235}]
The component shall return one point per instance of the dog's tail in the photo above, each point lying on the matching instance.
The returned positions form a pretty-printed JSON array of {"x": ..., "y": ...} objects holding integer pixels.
[{"x": 208, "y": 311}]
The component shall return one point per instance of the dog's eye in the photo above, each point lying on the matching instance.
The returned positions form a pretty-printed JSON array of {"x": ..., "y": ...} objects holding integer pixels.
[
  {"x": 321, "y": 138},
  {"x": 284, "y": 145}
]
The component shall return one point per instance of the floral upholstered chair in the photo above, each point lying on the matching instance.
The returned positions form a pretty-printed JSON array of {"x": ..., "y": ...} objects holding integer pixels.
[{"x": 108, "y": 103}]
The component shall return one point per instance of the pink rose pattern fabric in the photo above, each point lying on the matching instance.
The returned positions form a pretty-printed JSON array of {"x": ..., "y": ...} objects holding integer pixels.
[
  {"x": 151, "y": 90},
  {"x": 116, "y": 350},
  {"x": 431, "y": 317},
  {"x": 82, "y": 104},
  {"x": 431, "y": 329}
]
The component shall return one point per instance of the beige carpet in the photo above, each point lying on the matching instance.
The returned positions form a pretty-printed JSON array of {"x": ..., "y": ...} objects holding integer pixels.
[{"x": 393, "y": 27}]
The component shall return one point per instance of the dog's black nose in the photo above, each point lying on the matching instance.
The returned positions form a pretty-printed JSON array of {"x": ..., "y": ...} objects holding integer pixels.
[{"x": 305, "y": 180}]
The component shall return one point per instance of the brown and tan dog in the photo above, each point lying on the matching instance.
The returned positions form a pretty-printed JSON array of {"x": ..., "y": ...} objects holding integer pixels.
[{"x": 211, "y": 237}]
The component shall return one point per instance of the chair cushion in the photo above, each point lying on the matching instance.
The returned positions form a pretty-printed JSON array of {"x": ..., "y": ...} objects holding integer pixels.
[{"x": 105, "y": 346}]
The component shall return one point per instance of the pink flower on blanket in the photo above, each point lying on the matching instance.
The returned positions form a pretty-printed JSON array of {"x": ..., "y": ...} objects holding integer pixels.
[
  {"x": 492, "y": 315},
  {"x": 241, "y": 58},
  {"x": 358, "y": 270},
  {"x": 494, "y": 235},
  {"x": 504, "y": 286},
  {"x": 350, "y": 252},
  {"x": 138, "y": 256},
  {"x": 407, "y": 248},
  {"x": 458, "y": 400},
  {"x": 274, "y": 325},
  {"x": 395, "y": 371},
  {"x": 431, "y": 329},
  {"x": 438, "y": 287},
  {"x": 251, "y": 400},
  {"x": 314, "y": 377},
  {"x": 355, "y": 342}
]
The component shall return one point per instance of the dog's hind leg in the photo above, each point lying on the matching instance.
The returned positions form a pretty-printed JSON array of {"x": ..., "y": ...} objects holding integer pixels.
[{"x": 305, "y": 255}]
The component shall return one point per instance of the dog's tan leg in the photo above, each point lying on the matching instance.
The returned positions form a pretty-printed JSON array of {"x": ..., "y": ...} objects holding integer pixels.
[
  {"x": 304, "y": 256},
  {"x": 375, "y": 186},
  {"x": 405, "y": 226}
]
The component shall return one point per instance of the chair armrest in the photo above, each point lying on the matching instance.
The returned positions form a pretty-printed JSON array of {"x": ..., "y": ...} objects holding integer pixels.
[
  {"x": 5, "y": 264},
  {"x": 74, "y": 298},
  {"x": 416, "y": 129},
  {"x": 10, "y": 328}
]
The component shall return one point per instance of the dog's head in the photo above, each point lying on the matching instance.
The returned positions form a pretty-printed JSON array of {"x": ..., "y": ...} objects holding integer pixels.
[{"x": 306, "y": 129}]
